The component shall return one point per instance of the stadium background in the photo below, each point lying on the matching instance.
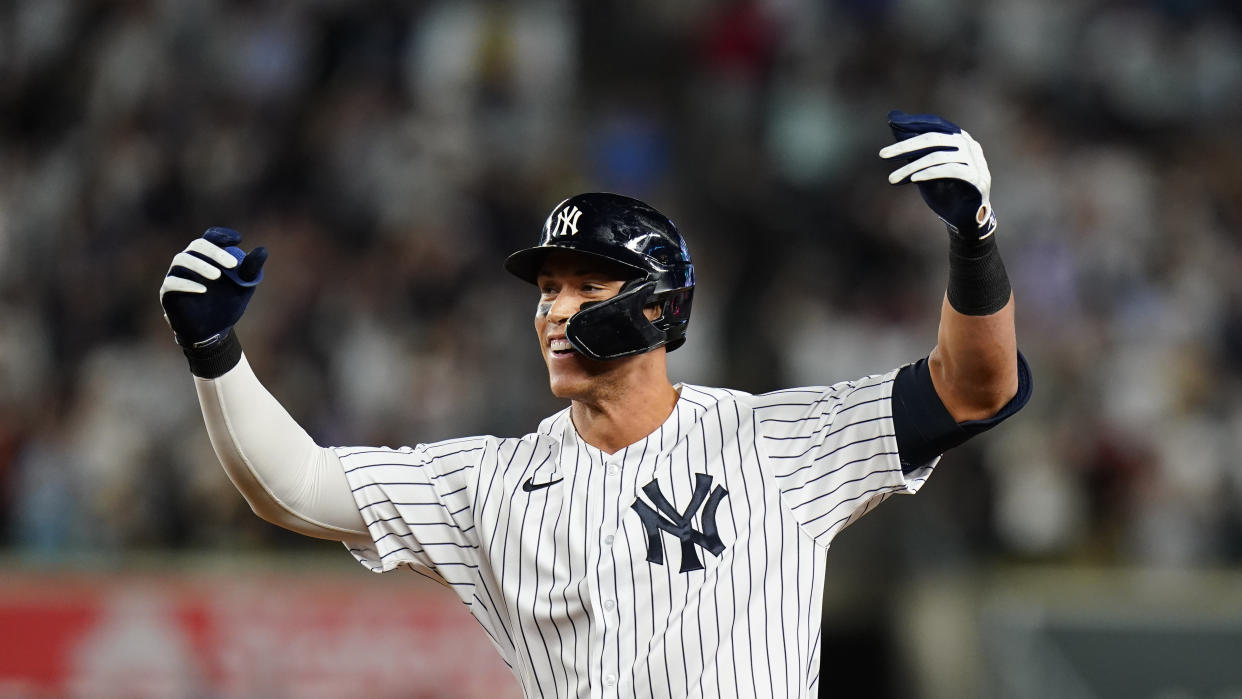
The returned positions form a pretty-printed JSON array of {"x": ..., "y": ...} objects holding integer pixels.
[{"x": 389, "y": 154}]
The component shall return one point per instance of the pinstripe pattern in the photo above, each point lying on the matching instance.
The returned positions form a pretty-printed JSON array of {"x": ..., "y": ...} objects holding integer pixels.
[{"x": 559, "y": 576}]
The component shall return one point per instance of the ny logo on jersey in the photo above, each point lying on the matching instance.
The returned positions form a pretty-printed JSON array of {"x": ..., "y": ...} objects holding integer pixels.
[
  {"x": 566, "y": 222},
  {"x": 678, "y": 523}
]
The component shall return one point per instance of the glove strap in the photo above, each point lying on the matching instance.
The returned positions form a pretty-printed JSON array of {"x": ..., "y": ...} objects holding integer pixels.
[
  {"x": 978, "y": 283},
  {"x": 214, "y": 358}
]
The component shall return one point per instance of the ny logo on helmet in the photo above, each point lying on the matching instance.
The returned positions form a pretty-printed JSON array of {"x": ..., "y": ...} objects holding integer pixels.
[
  {"x": 678, "y": 523},
  {"x": 567, "y": 222}
]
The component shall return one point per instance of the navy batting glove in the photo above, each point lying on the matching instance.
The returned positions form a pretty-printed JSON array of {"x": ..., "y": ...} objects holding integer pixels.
[
  {"x": 208, "y": 286},
  {"x": 949, "y": 168}
]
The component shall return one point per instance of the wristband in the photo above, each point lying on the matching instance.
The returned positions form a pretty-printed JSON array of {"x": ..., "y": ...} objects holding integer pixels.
[
  {"x": 215, "y": 359},
  {"x": 978, "y": 283}
]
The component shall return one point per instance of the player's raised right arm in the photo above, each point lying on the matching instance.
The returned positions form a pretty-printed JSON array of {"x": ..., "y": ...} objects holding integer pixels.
[{"x": 286, "y": 478}]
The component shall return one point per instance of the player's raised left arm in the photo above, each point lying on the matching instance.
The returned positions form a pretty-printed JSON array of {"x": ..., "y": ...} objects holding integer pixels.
[{"x": 975, "y": 364}]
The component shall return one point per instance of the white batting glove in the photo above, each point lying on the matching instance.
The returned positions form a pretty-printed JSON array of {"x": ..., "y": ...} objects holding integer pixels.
[{"x": 948, "y": 166}]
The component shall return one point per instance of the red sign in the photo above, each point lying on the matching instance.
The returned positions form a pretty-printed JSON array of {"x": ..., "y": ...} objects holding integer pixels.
[{"x": 260, "y": 635}]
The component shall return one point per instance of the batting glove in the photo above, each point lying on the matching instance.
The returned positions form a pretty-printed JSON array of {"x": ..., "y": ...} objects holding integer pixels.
[
  {"x": 949, "y": 168},
  {"x": 208, "y": 286}
]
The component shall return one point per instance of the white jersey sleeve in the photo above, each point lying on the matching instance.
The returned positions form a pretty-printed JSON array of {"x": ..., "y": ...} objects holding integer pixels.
[
  {"x": 833, "y": 451},
  {"x": 417, "y": 504}
]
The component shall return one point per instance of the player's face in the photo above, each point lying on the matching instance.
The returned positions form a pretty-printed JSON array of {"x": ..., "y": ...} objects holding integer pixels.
[{"x": 566, "y": 281}]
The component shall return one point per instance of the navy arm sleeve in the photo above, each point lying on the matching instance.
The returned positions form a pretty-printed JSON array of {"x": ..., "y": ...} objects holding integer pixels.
[{"x": 924, "y": 427}]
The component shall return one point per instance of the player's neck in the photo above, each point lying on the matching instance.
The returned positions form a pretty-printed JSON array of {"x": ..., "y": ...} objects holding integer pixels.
[{"x": 616, "y": 419}]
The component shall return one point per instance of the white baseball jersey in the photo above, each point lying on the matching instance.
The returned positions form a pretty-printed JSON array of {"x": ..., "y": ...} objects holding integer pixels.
[{"x": 689, "y": 564}]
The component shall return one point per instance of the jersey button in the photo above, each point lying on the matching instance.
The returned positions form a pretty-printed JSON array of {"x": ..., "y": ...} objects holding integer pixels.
[
  {"x": 609, "y": 604},
  {"x": 614, "y": 471},
  {"x": 610, "y": 680},
  {"x": 609, "y": 539}
]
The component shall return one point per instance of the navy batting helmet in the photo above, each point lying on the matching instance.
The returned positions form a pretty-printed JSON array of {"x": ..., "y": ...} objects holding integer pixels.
[{"x": 631, "y": 233}]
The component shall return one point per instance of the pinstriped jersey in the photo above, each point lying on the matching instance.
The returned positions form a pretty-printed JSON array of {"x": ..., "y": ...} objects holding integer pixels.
[{"x": 689, "y": 564}]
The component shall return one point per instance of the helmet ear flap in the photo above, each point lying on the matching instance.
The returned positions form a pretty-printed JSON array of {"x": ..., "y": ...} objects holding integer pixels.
[
  {"x": 600, "y": 329},
  {"x": 674, "y": 316}
]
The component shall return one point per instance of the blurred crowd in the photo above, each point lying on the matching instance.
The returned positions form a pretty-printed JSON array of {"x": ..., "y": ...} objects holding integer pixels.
[{"x": 390, "y": 154}]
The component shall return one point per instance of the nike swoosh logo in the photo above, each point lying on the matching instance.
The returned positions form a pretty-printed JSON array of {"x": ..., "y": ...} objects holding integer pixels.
[{"x": 530, "y": 485}]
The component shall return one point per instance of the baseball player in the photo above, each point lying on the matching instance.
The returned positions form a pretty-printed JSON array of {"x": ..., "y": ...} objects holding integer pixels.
[{"x": 652, "y": 539}]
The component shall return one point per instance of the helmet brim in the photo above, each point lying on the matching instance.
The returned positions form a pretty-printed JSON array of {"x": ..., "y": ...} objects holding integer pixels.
[{"x": 525, "y": 264}]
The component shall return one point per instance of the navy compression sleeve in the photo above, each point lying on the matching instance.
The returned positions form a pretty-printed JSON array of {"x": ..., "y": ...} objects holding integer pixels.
[{"x": 924, "y": 427}]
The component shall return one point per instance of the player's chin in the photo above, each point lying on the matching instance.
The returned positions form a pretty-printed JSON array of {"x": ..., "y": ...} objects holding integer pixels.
[
  {"x": 566, "y": 388},
  {"x": 564, "y": 384},
  {"x": 568, "y": 377}
]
